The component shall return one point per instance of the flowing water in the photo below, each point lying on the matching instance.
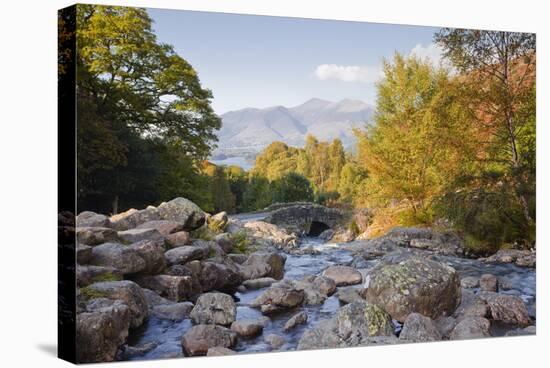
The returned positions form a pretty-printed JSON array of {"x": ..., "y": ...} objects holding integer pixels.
[{"x": 167, "y": 334}]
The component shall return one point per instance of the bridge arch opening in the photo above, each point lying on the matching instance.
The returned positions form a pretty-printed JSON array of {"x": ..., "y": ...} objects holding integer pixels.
[{"x": 316, "y": 228}]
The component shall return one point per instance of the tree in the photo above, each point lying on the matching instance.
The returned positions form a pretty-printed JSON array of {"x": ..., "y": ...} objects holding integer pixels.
[
  {"x": 501, "y": 69},
  {"x": 238, "y": 179},
  {"x": 420, "y": 140},
  {"x": 222, "y": 197},
  {"x": 337, "y": 160},
  {"x": 132, "y": 89},
  {"x": 257, "y": 194},
  {"x": 292, "y": 187},
  {"x": 276, "y": 160}
]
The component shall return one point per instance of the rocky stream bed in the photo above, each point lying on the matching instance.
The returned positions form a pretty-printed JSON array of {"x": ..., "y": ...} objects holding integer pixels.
[{"x": 148, "y": 290}]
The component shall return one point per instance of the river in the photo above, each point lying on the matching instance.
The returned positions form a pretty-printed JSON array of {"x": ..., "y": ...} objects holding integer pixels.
[{"x": 167, "y": 334}]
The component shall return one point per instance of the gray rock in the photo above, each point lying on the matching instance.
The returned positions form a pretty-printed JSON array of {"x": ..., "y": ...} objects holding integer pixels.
[
  {"x": 418, "y": 328},
  {"x": 353, "y": 325},
  {"x": 214, "y": 308},
  {"x": 95, "y": 235},
  {"x": 136, "y": 235},
  {"x": 275, "y": 341},
  {"x": 471, "y": 328},
  {"x": 83, "y": 254},
  {"x": 262, "y": 264},
  {"x": 182, "y": 255},
  {"x": 199, "y": 339},
  {"x": 445, "y": 325},
  {"x": 86, "y": 275},
  {"x": 349, "y": 295},
  {"x": 129, "y": 293},
  {"x": 298, "y": 319},
  {"x": 183, "y": 211},
  {"x": 343, "y": 275},
  {"x": 219, "y": 276},
  {"x": 122, "y": 257},
  {"x": 406, "y": 284},
  {"x": 152, "y": 252},
  {"x": 177, "y": 239},
  {"x": 469, "y": 282},
  {"x": 509, "y": 309},
  {"x": 173, "y": 312},
  {"x": 133, "y": 218},
  {"x": 92, "y": 219},
  {"x": 471, "y": 305},
  {"x": 238, "y": 258},
  {"x": 327, "y": 234},
  {"x": 523, "y": 258},
  {"x": 225, "y": 241},
  {"x": 164, "y": 227},
  {"x": 175, "y": 288},
  {"x": 277, "y": 298},
  {"x": 530, "y": 330},
  {"x": 488, "y": 282},
  {"x": 259, "y": 283},
  {"x": 101, "y": 331},
  {"x": 247, "y": 328},
  {"x": 220, "y": 351}
]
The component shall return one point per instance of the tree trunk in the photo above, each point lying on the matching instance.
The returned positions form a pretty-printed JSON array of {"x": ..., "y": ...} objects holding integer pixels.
[{"x": 114, "y": 204}]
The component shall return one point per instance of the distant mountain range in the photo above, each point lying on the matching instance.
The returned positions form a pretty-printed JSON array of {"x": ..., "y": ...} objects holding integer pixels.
[{"x": 251, "y": 129}]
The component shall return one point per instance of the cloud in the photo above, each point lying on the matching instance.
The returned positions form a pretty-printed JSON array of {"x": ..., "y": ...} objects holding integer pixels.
[
  {"x": 432, "y": 52},
  {"x": 348, "y": 73}
]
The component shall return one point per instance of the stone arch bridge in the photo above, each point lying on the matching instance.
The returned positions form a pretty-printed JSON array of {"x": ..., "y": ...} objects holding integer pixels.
[{"x": 306, "y": 218}]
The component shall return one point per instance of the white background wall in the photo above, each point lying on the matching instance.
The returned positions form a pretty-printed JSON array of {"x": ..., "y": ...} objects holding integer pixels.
[{"x": 28, "y": 251}]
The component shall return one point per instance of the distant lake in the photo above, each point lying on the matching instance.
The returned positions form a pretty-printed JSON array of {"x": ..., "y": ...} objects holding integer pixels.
[{"x": 236, "y": 160}]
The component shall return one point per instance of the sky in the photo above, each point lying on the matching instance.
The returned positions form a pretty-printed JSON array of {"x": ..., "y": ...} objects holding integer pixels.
[{"x": 261, "y": 61}]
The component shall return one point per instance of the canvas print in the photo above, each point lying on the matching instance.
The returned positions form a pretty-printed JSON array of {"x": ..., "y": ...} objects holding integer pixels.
[{"x": 233, "y": 184}]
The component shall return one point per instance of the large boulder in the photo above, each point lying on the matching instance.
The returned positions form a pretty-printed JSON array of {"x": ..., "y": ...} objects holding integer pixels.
[
  {"x": 129, "y": 293},
  {"x": 225, "y": 241},
  {"x": 447, "y": 243},
  {"x": 471, "y": 328},
  {"x": 343, "y": 275},
  {"x": 100, "y": 331},
  {"x": 509, "y": 309},
  {"x": 316, "y": 288},
  {"x": 133, "y": 218},
  {"x": 219, "y": 276},
  {"x": 183, "y": 211},
  {"x": 278, "y": 298},
  {"x": 184, "y": 254},
  {"x": 86, "y": 275},
  {"x": 152, "y": 252},
  {"x": 122, "y": 257},
  {"x": 136, "y": 235},
  {"x": 263, "y": 264},
  {"x": 354, "y": 325},
  {"x": 177, "y": 239},
  {"x": 418, "y": 328},
  {"x": 95, "y": 235},
  {"x": 179, "y": 210},
  {"x": 247, "y": 328},
  {"x": 92, "y": 219},
  {"x": 175, "y": 288},
  {"x": 164, "y": 227},
  {"x": 214, "y": 308},
  {"x": 403, "y": 285},
  {"x": 269, "y": 234},
  {"x": 199, "y": 339}
]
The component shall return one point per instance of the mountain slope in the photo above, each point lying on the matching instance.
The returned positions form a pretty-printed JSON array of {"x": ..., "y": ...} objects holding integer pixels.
[{"x": 253, "y": 129}]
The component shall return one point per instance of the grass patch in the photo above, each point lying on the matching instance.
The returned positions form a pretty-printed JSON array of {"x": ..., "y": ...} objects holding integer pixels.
[
  {"x": 90, "y": 293},
  {"x": 108, "y": 276},
  {"x": 241, "y": 243}
]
